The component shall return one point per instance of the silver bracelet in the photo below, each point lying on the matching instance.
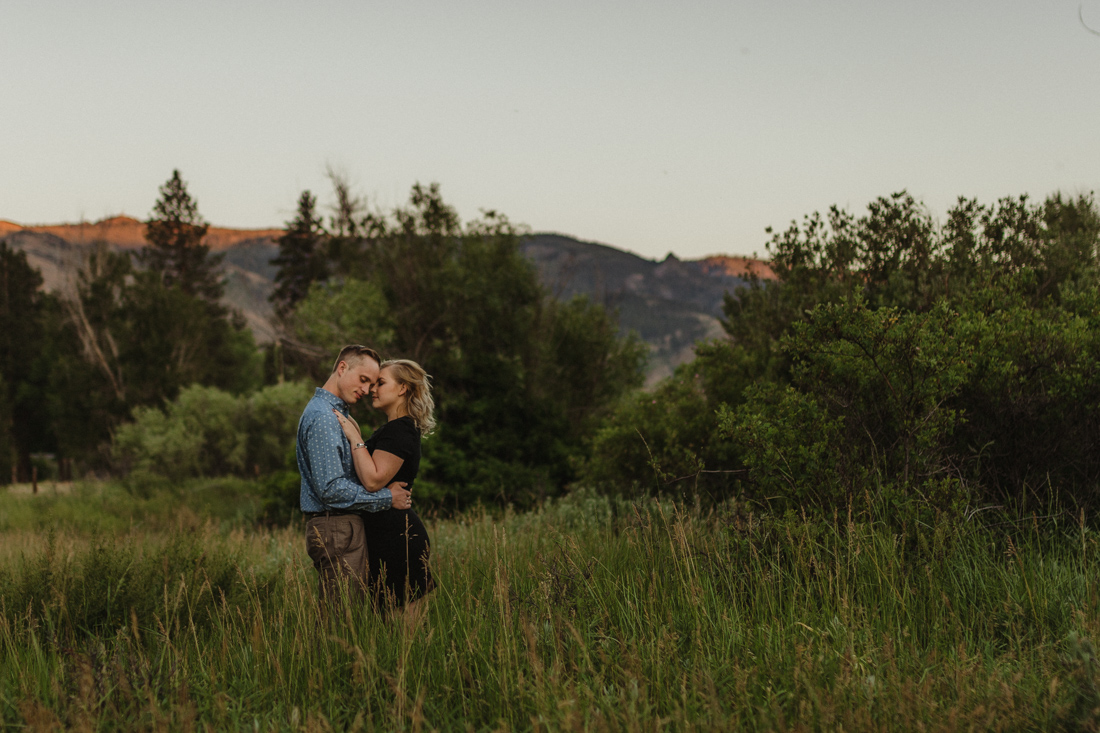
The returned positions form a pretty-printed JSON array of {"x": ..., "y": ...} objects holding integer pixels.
[{"x": 360, "y": 445}]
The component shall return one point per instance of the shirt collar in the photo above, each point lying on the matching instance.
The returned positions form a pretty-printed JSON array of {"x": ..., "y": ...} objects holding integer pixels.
[{"x": 331, "y": 399}]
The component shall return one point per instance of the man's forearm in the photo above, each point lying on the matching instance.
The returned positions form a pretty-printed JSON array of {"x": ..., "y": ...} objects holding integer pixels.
[
  {"x": 376, "y": 501},
  {"x": 341, "y": 493}
]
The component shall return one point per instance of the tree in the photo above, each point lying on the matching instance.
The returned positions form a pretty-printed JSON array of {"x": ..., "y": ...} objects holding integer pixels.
[
  {"x": 129, "y": 340},
  {"x": 22, "y": 306},
  {"x": 172, "y": 340},
  {"x": 858, "y": 383},
  {"x": 519, "y": 380},
  {"x": 349, "y": 223},
  {"x": 175, "y": 251},
  {"x": 302, "y": 256},
  {"x": 335, "y": 314}
]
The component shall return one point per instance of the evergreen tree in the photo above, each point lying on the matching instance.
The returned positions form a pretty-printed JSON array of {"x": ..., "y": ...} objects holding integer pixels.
[
  {"x": 520, "y": 381},
  {"x": 21, "y": 307},
  {"x": 126, "y": 340},
  {"x": 302, "y": 256},
  {"x": 175, "y": 250}
]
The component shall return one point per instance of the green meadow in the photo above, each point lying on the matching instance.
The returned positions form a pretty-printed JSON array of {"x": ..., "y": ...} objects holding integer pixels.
[{"x": 179, "y": 610}]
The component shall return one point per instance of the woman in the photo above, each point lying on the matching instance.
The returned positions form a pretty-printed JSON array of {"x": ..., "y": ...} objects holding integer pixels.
[{"x": 397, "y": 543}]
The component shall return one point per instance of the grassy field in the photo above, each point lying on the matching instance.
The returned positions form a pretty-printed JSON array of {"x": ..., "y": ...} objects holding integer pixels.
[{"x": 175, "y": 611}]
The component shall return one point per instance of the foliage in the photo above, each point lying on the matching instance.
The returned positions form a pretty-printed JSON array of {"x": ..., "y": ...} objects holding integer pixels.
[
  {"x": 7, "y": 433},
  {"x": 302, "y": 255},
  {"x": 928, "y": 365},
  {"x": 334, "y": 314},
  {"x": 1032, "y": 406},
  {"x": 897, "y": 256},
  {"x": 22, "y": 315},
  {"x": 520, "y": 381},
  {"x": 869, "y": 407},
  {"x": 175, "y": 251},
  {"x": 655, "y": 440},
  {"x": 667, "y": 439},
  {"x": 138, "y": 342},
  {"x": 208, "y": 432}
]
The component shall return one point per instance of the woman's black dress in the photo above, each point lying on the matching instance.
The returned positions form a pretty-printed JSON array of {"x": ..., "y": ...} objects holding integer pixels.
[{"x": 397, "y": 543}]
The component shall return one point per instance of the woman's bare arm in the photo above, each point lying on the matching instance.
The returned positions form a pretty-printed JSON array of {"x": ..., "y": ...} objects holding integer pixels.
[{"x": 376, "y": 471}]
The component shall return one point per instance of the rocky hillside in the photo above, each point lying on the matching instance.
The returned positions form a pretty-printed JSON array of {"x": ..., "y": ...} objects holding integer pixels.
[
  {"x": 672, "y": 304},
  {"x": 58, "y": 251}
]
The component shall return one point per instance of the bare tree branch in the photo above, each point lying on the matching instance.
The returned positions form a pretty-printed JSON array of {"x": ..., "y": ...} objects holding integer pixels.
[
  {"x": 348, "y": 208},
  {"x": 89, "y": 339}
]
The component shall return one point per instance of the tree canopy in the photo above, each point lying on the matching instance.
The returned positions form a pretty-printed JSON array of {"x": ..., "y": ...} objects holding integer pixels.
[
  {"x": 175, "y": 250},
  {"x": 930, "y": 365},
  {"x": 520, "y": 380}
]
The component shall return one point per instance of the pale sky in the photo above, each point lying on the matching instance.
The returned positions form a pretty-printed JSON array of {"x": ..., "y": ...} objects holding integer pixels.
[{"x": 651, "y": 126}]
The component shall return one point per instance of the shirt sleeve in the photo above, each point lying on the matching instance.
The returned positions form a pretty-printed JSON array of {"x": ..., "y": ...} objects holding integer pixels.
[
  {"x": 327, "y": 446},
  {"x": 398, "y": 438}
]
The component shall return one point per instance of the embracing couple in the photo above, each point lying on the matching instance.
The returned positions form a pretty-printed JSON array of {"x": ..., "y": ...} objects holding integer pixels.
[{"x": 357, "y": 494}]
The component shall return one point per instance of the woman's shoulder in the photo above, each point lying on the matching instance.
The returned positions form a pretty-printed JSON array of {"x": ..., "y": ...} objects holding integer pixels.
[
  {"x": 402, "y": 426},
  {"x": 405, "y": 425}
]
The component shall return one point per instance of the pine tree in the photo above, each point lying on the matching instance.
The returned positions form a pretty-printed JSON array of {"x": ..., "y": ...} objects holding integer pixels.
[
  {"x": 21, "y": 305},
  {"x": 175, "y": 250},
  {"x": 302, "y": 256}
]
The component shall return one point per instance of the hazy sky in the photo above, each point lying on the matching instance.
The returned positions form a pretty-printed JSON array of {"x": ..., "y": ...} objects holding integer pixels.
[{"x": 652, "y": 126}]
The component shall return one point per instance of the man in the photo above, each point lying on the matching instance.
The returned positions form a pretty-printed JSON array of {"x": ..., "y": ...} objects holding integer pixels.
[{"x": 331, "y": 495}]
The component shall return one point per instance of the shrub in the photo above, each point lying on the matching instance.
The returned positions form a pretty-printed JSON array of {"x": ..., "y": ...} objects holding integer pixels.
[
  {"x": 272, "y": 421},
  {"x": 208, "y": 432},
  {"x": 988, "y": 403},
  {"x": 666, "y": 440},
  {"x": 1032, "y": 404},
  {"x": 869, "y": 409}
]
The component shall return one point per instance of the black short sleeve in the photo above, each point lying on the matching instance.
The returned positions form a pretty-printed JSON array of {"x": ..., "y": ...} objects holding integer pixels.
[{"x": 398, "y": 437}]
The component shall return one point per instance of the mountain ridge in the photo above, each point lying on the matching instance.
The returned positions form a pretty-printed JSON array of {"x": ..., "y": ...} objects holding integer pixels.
[
  {"x": 672, "y": 304},
  {"x": 126, "y": 232}
]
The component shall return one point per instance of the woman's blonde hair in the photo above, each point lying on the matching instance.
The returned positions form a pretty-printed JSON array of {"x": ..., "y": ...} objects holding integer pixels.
[{"x": 418, "y": 398}]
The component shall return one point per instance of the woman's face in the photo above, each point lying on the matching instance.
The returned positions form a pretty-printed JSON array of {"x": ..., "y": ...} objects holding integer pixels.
[{"x": 387, "y": 391}]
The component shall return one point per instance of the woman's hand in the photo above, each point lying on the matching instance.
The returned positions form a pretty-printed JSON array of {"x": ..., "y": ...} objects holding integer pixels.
[{"x": 351, "y": 430}]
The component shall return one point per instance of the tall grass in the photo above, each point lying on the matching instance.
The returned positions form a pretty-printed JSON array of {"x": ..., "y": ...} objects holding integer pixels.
[{"x": 589, "y": 614}]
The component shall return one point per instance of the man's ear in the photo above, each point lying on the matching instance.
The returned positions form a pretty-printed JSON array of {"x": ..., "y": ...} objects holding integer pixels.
[{"x": 341, "y": 368}]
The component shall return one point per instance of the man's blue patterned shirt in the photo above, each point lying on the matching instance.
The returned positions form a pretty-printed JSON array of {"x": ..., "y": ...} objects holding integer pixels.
[{"x": 324, "y": 460}]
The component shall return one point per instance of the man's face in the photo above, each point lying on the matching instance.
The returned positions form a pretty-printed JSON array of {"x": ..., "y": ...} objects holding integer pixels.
[{"x": 355, "y": 380}]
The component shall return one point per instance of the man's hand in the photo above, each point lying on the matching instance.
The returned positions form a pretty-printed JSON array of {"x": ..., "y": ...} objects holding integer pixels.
[{"x": 402, "y": 497}]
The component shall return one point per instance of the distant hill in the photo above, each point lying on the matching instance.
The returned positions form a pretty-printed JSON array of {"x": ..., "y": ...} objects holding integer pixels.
[
  {"x": 126, "y": 232},
  {"x": 58, "y": 251},
  {"x": 672, "y": 304}
]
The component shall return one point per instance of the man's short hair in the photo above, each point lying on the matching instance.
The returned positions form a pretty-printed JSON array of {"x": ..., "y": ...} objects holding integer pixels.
[{"x": 355, "y": 353}]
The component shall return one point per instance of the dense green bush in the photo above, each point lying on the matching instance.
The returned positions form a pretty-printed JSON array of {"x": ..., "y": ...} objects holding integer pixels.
[
  {"x": 655, "y": 439},
  {"x": 990, "y": 404},
  {"x": 925, "y": 366},
  {"x": 1032, "y": 405},
  {"x": 667, "y": 438},
  {"x": 869, "y": 408},
  {"x": 208, "y": 432}
]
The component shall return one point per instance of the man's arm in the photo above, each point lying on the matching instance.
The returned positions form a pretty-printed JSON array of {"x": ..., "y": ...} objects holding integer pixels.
[{"x": 326, "y": 445}]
